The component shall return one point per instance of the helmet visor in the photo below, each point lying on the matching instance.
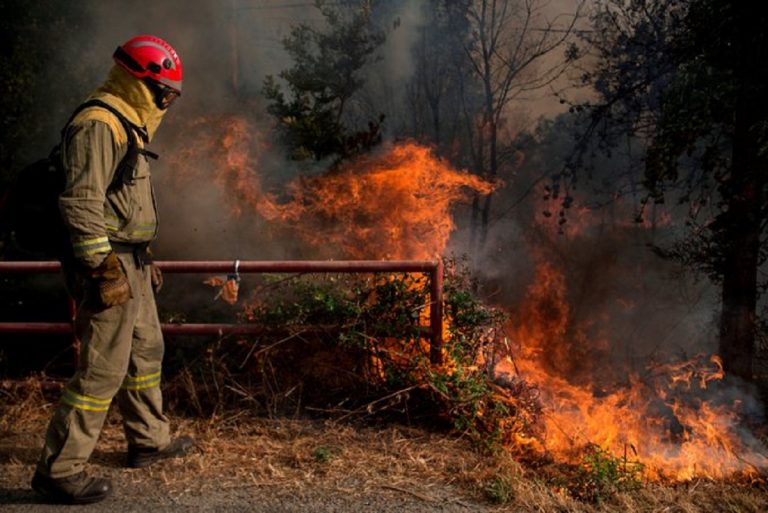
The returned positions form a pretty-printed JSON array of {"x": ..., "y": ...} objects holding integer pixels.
[{"x": 164, "y": 95}]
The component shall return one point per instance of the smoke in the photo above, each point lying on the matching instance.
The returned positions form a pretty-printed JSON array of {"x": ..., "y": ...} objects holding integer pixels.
[
  {"x": 229, "y": 47},
  {"x": 627, "y": 308},
  {"x": 388, "y": 79}
]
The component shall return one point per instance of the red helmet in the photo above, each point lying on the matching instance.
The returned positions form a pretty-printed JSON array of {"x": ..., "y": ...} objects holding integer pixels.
[{"x": 151, "y": 57}]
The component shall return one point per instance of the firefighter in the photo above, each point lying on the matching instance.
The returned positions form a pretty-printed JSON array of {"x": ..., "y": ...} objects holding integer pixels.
[{"x": 108, "y": 206}]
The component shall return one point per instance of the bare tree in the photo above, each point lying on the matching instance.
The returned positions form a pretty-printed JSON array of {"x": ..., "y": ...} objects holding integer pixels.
[
  {"x": 510, "y": 50},
  {"x": 434, "y": 92}
]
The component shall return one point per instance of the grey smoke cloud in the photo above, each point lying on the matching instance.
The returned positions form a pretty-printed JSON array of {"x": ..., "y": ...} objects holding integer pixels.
[
  {"x": 620, "y": 292},
  {"x": 227, "y": 49}
]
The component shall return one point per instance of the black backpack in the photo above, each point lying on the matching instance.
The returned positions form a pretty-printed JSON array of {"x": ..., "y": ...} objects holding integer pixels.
[{"x": 32, "y": 203}]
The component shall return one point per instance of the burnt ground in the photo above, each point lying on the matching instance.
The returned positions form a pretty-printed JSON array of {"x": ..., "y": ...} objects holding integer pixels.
[{"x": 256, "y": 464}]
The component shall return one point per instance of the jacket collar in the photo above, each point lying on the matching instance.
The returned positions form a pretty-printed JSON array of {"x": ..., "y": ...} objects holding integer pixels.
[{"x": 132, "y": 98}]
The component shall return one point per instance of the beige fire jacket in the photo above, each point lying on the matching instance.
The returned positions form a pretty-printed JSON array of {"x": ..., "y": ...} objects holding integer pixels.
[{"x": 93, "y": 146}]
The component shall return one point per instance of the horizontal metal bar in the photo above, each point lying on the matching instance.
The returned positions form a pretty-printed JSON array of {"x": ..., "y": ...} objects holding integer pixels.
[
  {"x": 433, "y": 267},
  {"x": 251, "y": 266},
  {"x": 29, "y": 267},
  {"x": 301, "y": 266},
  {"x": 65, "y": 328},
  {"x": 212, "y": 329},
  {"x": 41, "y": 328}
]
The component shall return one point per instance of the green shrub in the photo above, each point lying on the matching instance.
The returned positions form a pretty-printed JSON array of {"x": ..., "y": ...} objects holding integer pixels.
[
  {"x": 602, "y": 474},
  {"x": 324, "y": 454},
  {"x": 354, "y": 340},
  {"x": 499, "y": 490}
]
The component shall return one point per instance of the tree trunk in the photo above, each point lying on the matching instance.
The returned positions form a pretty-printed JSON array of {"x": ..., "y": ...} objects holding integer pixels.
[
  {"x": 743, "y": 193},
  {"x": 475, "y": 227},
  {"x": 492, "y": 172},
  {"x": 739, "y": 296}
]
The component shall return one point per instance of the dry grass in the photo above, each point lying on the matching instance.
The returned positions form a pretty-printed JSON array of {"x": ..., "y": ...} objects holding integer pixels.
[{"x": 238, "y": 451}]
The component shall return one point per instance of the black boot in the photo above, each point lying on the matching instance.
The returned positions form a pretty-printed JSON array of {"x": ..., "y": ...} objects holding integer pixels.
[
  {"x": 140, "y": 457},
  {"x": 77, "y": 489}
]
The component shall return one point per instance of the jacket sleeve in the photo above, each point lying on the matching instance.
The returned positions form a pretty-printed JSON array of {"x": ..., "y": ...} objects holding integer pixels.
[{"x": 90, "y": 156}]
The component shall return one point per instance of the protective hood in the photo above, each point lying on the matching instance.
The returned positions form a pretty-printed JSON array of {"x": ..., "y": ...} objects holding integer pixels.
[{"x": 132, "y": 98}]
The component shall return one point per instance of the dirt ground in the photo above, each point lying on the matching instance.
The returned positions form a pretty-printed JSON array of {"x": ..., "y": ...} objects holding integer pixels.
[
  {"x": 252, "y": 465},
  {"x": 242, "y": 463}
]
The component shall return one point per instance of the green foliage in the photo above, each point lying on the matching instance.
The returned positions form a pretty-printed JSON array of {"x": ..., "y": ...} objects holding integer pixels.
[
  {"x": 602, "y": 474},
  {"x": 688, "y": 78},
  {"x": 305, "y": 302},
  {"x": 499, "y": 490},
  {"x": 376, "y": 326},
  {"x": 462, "y": 383},
  {"x": 324, "y": 454},
  {"x": 361, "y": 309},
  {"x": 325, "y": 75}
]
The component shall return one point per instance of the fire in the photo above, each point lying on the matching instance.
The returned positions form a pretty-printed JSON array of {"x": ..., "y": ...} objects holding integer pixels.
[
  {"x": 395, "y": 204},
  {"x": 229, "y": 153},
  {"x": 668, "y": 419},
  {"x": 579, "y": 218}
]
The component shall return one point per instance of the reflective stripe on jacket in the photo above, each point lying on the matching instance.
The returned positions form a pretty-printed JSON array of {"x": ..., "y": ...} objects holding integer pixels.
[{"x": 94, "y": 144}]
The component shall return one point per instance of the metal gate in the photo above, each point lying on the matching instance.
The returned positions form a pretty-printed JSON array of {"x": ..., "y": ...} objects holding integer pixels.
[{"x": 433, "y": 268}]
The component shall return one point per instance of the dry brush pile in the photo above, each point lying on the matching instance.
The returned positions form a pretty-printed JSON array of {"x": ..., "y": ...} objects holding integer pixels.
[
  {"x": 349, "y": 352},
  {"x": 352, "y": 349}
]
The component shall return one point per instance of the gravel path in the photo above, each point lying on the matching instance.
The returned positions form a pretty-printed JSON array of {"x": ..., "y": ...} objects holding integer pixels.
[{"x": 130, "y": 498}]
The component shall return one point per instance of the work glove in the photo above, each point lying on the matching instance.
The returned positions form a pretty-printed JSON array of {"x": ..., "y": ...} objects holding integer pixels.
[
  {"x": 157, "y": 278},
  {"x": 110, "y": 282}
]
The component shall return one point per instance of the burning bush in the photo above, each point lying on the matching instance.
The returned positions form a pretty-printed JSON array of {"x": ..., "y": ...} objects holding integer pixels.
[
  {"x": 550, "y": 387},
  {"x": 354, "y": 347}
]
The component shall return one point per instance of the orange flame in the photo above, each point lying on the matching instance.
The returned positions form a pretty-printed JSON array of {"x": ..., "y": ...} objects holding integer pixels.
[
  {"x": 579, "y": 218},
  {"x": 662, "y": 417},
  {"x": 395, "y": 204}
]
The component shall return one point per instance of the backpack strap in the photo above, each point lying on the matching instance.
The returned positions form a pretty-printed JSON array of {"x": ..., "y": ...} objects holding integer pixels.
[
  {"x": 128, "y": 163},
  {"x": 130, "y": 129}
]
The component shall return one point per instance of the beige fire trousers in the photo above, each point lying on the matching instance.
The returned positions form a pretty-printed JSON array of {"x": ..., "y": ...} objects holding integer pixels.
[{"x": 121, "y": 354}]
